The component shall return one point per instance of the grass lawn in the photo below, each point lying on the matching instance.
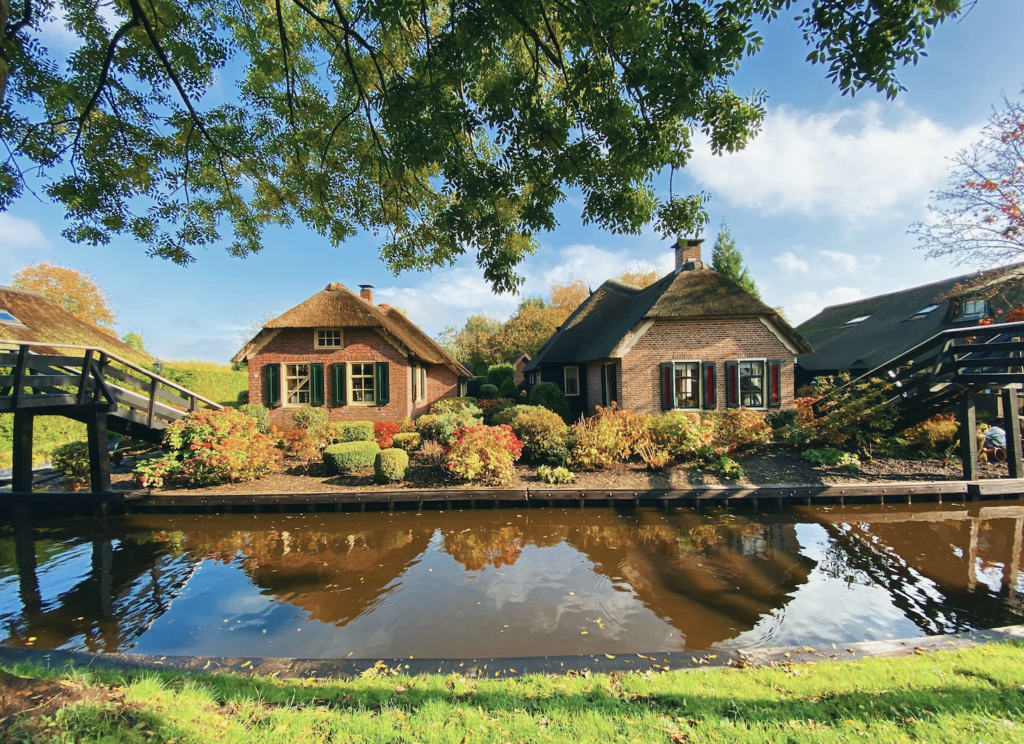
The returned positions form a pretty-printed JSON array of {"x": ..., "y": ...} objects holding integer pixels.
[{"x": 974, "y": 695}]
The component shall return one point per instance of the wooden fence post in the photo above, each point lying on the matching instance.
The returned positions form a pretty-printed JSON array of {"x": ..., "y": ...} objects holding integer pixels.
[
  {"x": 968, "y": 436},
  {"x": 99, "y": 456},
  {"x": 22, "y": 454},
  {"x": 1011, "y": 422}
]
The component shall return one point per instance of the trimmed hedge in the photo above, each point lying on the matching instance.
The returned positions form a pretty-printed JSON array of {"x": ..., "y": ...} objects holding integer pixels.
[
  {"x": 407, "y": 440},
  {"x": 349, "y": 456},
  {"x": 453, "y": 404},
  {"x": 549, "y": 395},
  {"x": 352, "y": 431},
  {"x": 498, "y": 373},
  {"x": 391, "y": 466},
  {"x": 488, "y": 392}
]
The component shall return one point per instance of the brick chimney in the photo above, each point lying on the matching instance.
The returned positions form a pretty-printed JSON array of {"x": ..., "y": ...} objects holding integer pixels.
[
  {"x": 366, "y": 292},
  {"x": 686, "y": 251}
]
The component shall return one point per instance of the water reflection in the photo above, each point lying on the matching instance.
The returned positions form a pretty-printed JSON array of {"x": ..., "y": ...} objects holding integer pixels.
[{"x": 539, "y": 581}]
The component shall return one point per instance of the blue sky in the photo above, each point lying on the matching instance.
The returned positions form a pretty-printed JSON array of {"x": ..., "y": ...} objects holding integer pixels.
[{"x": 820, "y": 205}]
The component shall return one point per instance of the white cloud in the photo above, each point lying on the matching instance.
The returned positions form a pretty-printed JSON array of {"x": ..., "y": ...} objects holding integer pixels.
[
  {"x": 849, "y": 165},
  {"x": 806, "y": 304},
  {"x": 17, "y": 232},
  {"x": 595, "y": 265},
  {"x": 789, "y": 263}
]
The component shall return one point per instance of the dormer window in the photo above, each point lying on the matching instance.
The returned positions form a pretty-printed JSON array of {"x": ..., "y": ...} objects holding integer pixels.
[
  {"x": 8, "y": 318},
  {"x": 857, "y": 320},
  {"x": 923, "y": 312},
  {"x": 973, "y": 309}
]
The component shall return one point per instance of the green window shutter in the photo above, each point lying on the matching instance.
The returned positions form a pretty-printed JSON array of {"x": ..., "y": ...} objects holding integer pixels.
[
  {"x": 383, "y": 382},
  {"x": 316, "y": 384},
  {"x": 340, "y": 395},
  {"x": 272, "y": 384}
]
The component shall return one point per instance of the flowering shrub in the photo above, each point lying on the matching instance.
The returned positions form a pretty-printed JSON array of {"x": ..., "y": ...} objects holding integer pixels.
[
  {"x": 213, "y": 447},
  {"x": 543, "y": 432},
  {"x": 555, "y": 476},
  {"x": 384, "y": 432},
  {"x": 484, "y": 453},
  {"x": 306, "y": 450},
  {"x": 739, "y": 429},
  {"x": 72, "y": 459},
  {"x": 682, "y": 434},
  {"x": 611, "y": 435},
  {"x": 407, "y": 440},
  {"x": 156, "y": 471}
]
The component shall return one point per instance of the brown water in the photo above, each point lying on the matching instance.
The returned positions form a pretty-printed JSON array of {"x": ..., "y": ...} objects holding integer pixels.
[{"x": 506, "y": 582}]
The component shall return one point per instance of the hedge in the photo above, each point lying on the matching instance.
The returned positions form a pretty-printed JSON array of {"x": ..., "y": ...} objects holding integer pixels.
[
  {"x": 216, "y": 382},
  {"x": 349, "y": 456},
  {"x": 391, "y": 466},
  {"x": 352, "y": 431}
]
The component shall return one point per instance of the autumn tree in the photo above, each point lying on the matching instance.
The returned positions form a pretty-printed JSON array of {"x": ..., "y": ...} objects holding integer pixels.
[
  {"x": 565, "y": 298},
  {"x": 979, "y": 217},
  {"x": 640, "y": 275},
  {"x": 448, "y": 126},
  {"x": 73, "y": 290},
  {"x": 727, "y": 260}
]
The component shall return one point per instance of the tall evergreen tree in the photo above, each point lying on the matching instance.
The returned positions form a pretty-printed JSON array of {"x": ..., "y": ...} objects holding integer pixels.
[{"x": 727, "y": 260}]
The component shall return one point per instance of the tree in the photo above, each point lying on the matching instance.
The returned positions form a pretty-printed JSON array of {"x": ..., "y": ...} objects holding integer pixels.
[
  {"x": 565, "y": 298},
  {"x": 727, "y": 260},
  {"x": 134, "y": 339},
  {"x": 447, "y": 126},
  {"x": 640, "y": 275},
  {"x": 979, "y": 217},
  {"x": 73, "y": 290}
]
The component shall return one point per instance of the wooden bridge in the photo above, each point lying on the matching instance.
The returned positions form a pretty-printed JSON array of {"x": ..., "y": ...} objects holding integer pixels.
[
  {"x": 945, "y": 373},
  {"x": 88, "y": 384}
]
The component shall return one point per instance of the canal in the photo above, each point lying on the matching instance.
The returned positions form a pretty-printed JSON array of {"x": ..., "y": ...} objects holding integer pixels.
[{"x": 506, "y": 582}]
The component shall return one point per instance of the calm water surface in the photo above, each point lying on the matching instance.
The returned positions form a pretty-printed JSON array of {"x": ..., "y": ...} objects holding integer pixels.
[{"x": 506, "y": 582}]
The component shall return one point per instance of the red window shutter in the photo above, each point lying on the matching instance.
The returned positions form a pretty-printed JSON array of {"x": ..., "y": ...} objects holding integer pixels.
[
  {"x": 774, "y": 383},
  {"x": 732, "y": 384},
  {"x": 709, "y": 383},
  {"x": 667, "y": 391}
]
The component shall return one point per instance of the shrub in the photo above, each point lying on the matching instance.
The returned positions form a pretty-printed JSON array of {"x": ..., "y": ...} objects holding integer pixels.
[
  {"x": 739, "y": 429},
  {"x": 156, "y": 471},
  {"x": 432, "y": 450},
  {"x": 243, "y": 397},
  {"x": 806, "y": 391},
  {"x": 934, "y": 435},
  {"x": 442, "y": 427},
  {"x": 498, "y": 373},
  {"x": 508, "y": 389},
  {"x": 258, "y": 413},
  {"x": 681, "y": 433},
  {"x": 542, "y": 432},
  {"x": 611, "y": 435},
  {"x": 384, "y": 433},
  {"x": 780, "y": 419},
  {"x": 351, "y": 431},
  {"x": 484, "y": 453},
  {"x": 213, "y": 447},
  {"x": 391, "y": 466},
  {"x": 725, "y": 467},
  {"x": 654, "y": 457},
  {"x": 492, "y": 408},
  {"x": 72, "y": 459},
  {"x": 832, "y": 457},
  {"x": 306, "y": 450},
  {"x": 407, "y": 440},
  {"x": 488, "y": 392},
  {"x": 549, "y": 395},
  {"x": 310, "y": 418},
  {"x": 453, "y": 404},
  {"x": 217, "y": 382},
  {"x": 407, "y": 425},
  {"x": 857, "y": 416},
  {"x": 349, "y": 456},
  {"x": 555, "y": 476}
]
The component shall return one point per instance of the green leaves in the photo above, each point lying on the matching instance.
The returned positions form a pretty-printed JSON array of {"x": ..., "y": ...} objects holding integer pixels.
[{"x": 443, "y": 127}]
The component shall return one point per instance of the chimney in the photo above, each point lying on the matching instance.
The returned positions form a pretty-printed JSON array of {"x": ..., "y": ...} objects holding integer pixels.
[
  {"x": 687, "y": 251},
  {"x": 366, "y": 292},
  {"x": 334, "y": 286}
]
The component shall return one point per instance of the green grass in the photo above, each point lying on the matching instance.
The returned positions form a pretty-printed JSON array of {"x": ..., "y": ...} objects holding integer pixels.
[
  {"x": 973, "y": 695},
  {"x": 49, "y": 432}
]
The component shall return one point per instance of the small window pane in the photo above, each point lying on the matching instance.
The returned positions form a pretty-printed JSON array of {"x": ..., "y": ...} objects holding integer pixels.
[
  {"x": 296, "y": 384},
  {"x": 687, "y": 384},
  {"x": 362, "y": 383},
  {"x": 328, "y": 338},
  {"x": 752, "y": 384}
]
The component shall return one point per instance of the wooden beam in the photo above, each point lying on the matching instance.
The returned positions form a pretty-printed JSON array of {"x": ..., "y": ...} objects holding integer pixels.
[
  {"x": 83, "y": 384},
  {"x": 968, "y": 436},
  {"x": 19, "y": 375},
  {"x": 22, "y": 455},
  {"x": 99, "y": 456},
  {"x": 1011, "y": 422}
]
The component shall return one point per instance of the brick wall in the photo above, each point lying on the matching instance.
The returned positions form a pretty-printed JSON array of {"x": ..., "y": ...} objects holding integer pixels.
[
  {"x": 705, "y": 340},
  {"x": 360, "y": 345}
]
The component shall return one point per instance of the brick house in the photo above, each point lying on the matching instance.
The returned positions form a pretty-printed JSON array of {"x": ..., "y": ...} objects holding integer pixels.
[
  {"x": 358, "y": 360},
  {"x": 692, "y": 340}
]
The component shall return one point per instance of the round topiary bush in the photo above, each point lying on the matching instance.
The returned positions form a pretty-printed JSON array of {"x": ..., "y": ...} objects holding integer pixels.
[
  {"x": 391, "y": 466},
  {"x": 508, "y": 389},
  {"x": 488, "y": 392},
  {"x": 407, "y": 440},
  {"x": 349, "y": 456},
  {"x": 549, "y": 395}
]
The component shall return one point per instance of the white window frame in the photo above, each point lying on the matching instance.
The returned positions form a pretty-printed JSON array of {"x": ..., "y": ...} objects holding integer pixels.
[
  {"x": 700, "y": 384},
  {"x": 764, "y": 383},
  {"x": 565, "y": 380},
  {"x": 978, "y": 314},
  {"x": 284, "y": 385},
  {"x": 419, "y": 382},
  {"x": 316, "y": 338},
  {"x": 350, "y": 387}
]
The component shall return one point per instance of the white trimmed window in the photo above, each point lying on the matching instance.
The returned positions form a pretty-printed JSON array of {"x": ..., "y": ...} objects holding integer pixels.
[
  {"x": 419, "y": 382},
  {"x": 572, "y": 380},
  {"x": 296, "y": 385},
  {"x": 687, "y": 384},
  {"x": 361, "y": 381},
  {"x": 974, "y": 309},
  {"x": 329, "y": 338},
  {"x": 751, "y": 374}
]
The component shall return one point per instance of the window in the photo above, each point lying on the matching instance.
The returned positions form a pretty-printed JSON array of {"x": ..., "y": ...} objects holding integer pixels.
[
  {"x": 6, "y": 317},
  {"x": 974, "y": 309},
  {"x": 296, "y": 384},
  {"x": 419, "y": 382},
  {"x": 328, "y": 338},
  {"x": 858, "y": 319},
  {"x": 572, "y": 380},
  {"x": 751, "y": 383},
  {"x": 687, "y": 384},
  {"x": 921, "y": 313},
  {"x": 361, "y": 376}
]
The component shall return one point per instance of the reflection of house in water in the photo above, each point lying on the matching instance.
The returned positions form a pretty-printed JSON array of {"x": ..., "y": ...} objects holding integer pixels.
[
  {"x": 130, "y": 583},
  {"x": 944, "y": 569}
]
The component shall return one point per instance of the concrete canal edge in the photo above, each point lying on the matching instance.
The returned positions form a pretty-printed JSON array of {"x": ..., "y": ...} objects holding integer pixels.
[{"x": 502, "y": 668}]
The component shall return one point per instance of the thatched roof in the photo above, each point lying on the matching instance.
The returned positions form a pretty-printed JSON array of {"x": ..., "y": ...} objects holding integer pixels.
[
  {"x": 890, "y": 327},
  {"x": 615, "y": 309},
  {"x": 336, "y": 306},
  {"x": 42, "y": 319}
]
